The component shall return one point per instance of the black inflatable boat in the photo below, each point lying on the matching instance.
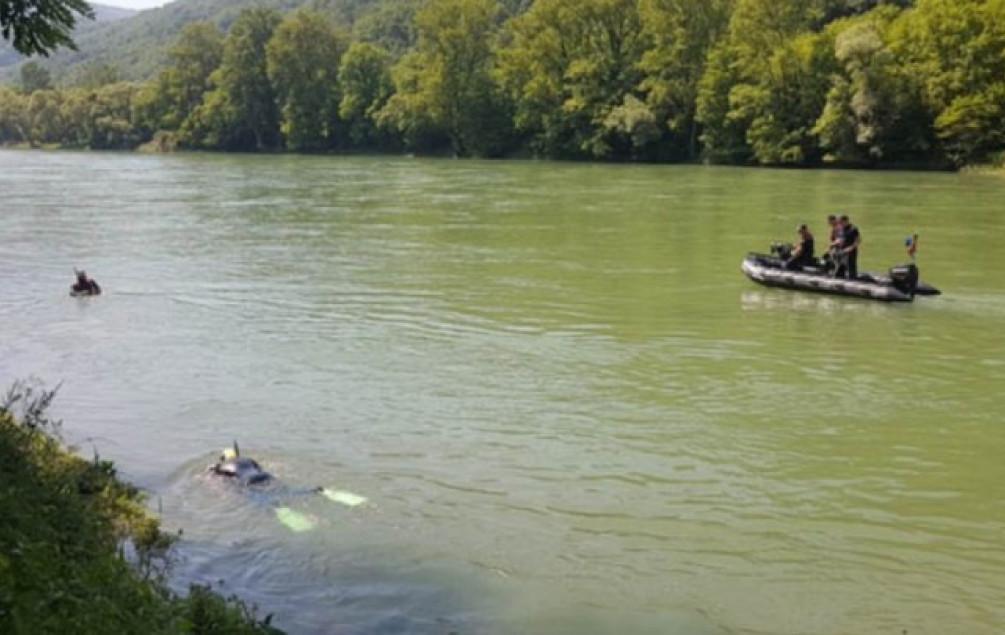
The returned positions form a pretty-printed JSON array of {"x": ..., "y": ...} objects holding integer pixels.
[{"x": 900, "y": 284}]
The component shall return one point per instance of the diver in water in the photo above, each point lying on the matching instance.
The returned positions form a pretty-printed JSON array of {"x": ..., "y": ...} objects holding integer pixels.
[
  {"x": 84, "y": 285},
  {"x": 265, "y": 489},
  {"x": 245, "y": 471}
]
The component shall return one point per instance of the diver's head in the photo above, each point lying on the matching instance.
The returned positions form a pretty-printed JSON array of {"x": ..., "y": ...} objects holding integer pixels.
[{"x": 231, "y": 453}]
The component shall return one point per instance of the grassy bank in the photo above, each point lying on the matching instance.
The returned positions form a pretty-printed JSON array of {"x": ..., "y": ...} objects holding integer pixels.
[{"x": 66, "y": 527}]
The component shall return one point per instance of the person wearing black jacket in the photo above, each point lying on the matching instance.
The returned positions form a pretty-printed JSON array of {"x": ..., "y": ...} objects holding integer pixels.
[
  {"x": 84, "y": 285},
  {"x": 802, "y": 255},
  {"x": 848, "y": 242},
  {"x": 835, "y": 228}
]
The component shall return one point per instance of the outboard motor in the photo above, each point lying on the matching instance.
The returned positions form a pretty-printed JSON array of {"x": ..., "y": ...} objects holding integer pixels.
[
  {"x": 782, "y": 250},
  {"x": 233, "y": 465},
  {"x": 905, "y": 278}
]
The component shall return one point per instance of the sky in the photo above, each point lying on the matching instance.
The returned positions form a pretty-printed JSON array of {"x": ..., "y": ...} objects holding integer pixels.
[{"x": 133, "y": 4}]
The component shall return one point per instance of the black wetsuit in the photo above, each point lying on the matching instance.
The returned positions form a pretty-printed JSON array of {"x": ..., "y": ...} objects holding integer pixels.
[
  {"x": 848, "y": 238},
  {"x": 88, "y": 286},
  {"x": 805, "y": 257}
]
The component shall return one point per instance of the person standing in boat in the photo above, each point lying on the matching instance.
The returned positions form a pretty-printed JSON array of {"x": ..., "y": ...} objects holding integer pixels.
[
  {"x": 802, "y": 256},
  {"x": 847, "y": 247},
  {"x": 832, "y": 222},
  {"x": 831, "y": 261}
]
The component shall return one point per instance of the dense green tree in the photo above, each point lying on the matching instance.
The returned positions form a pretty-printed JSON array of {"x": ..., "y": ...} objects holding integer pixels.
[
  {"x": 782, "y": 107},
  {"x": 34, "y": 77},
  {"x": 973, "y": 126},
  {"x": 757, "y": 27},
  {"x": 872, "y": 110},
  {"x": 45, "y": 118},
  {"x": 76, "y": 108},
  {"x": 111, "y": 114},
  {"x": 101, "y": 118},
  {"x": 303, "y": 61},
  {"x": 216, "y": 125},
  {"x": 631, "y": 128},
  {"x": 244, "y": 116},
  {"x": 408, "y": 112},
  {"x": 36, "y": 27},
  {"x": 14, "y": 124},
  {"x": 957, "y": 50},
  {"x": 446, "y": 82},
  {"x": 567, "y": 65},
  {"x": 764, "y": 81},
  {"x": 365, "y": 85},
  {"x": 723, "y": 135},
  {"x": 680, "y": 34},
  {"x": 167, "y": 102},
  {"x": 97, "y": 118},
  {"x": 193, "y": 58},
  {"x": 389, "y": 25}
]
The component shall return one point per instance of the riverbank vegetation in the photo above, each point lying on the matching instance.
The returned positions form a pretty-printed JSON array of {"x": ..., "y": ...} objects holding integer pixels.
[
  {"x": 66, "y": 526},
  {"x": 771, "y": 82}
]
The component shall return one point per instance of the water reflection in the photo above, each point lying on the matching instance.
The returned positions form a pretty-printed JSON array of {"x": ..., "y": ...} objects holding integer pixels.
[{"x": 775, "y": 300}]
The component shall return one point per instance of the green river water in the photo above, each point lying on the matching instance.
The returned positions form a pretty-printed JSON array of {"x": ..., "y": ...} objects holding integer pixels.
[{"x": 570, "y": 411}]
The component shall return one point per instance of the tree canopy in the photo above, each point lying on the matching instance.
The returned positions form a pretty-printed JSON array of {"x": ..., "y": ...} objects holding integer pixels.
[{"x": 770, "y": 82}]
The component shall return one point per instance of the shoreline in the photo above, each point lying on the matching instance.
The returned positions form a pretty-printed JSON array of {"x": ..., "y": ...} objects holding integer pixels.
[
  {"x": 79, "y": 550},
  {"x": 146, "y": 149}
]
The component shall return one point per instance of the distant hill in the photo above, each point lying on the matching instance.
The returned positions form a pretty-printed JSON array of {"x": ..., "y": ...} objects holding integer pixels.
[{"x": 136, "y": 43}]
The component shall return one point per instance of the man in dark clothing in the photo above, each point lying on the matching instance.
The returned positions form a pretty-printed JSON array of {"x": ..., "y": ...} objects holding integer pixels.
[
  {"x": 830, "y": 259},
  {"x": 848, "y": 244},
  {"x": 84, "y": 285},
  {"x": 802, "y": 256},
  {"x": 832, "y": 222}
]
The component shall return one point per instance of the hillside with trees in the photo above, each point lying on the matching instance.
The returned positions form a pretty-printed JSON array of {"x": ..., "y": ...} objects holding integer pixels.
[{"x": 770, "y": 82}]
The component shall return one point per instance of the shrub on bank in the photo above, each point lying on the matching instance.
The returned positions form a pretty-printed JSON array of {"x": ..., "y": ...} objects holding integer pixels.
[{"x": 65, "y": 525}]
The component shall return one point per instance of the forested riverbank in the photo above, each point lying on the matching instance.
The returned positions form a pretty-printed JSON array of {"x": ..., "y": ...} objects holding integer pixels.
[
  {"x": 67, "y": 523},
  {"x": 770, "y": 82}
]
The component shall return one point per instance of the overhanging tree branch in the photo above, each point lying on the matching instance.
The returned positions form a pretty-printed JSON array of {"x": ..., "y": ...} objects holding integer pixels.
[{"x": 37, "y": 27}]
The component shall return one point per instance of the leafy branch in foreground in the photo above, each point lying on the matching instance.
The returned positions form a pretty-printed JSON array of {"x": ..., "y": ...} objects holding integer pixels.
[{"x": 37, "y": 27}]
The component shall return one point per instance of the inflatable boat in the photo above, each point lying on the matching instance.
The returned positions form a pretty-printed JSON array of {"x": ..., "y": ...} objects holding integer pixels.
[{"x": 900, "y": 284}]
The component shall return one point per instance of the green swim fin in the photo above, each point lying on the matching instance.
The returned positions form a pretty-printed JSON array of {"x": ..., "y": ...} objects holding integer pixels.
[
  {"x": 343, "y": 498},
  {"x": 294, "y": 520}
]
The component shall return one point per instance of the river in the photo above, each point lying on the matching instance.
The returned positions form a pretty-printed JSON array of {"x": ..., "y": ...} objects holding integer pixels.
[{"x": 569, "y": 410}]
